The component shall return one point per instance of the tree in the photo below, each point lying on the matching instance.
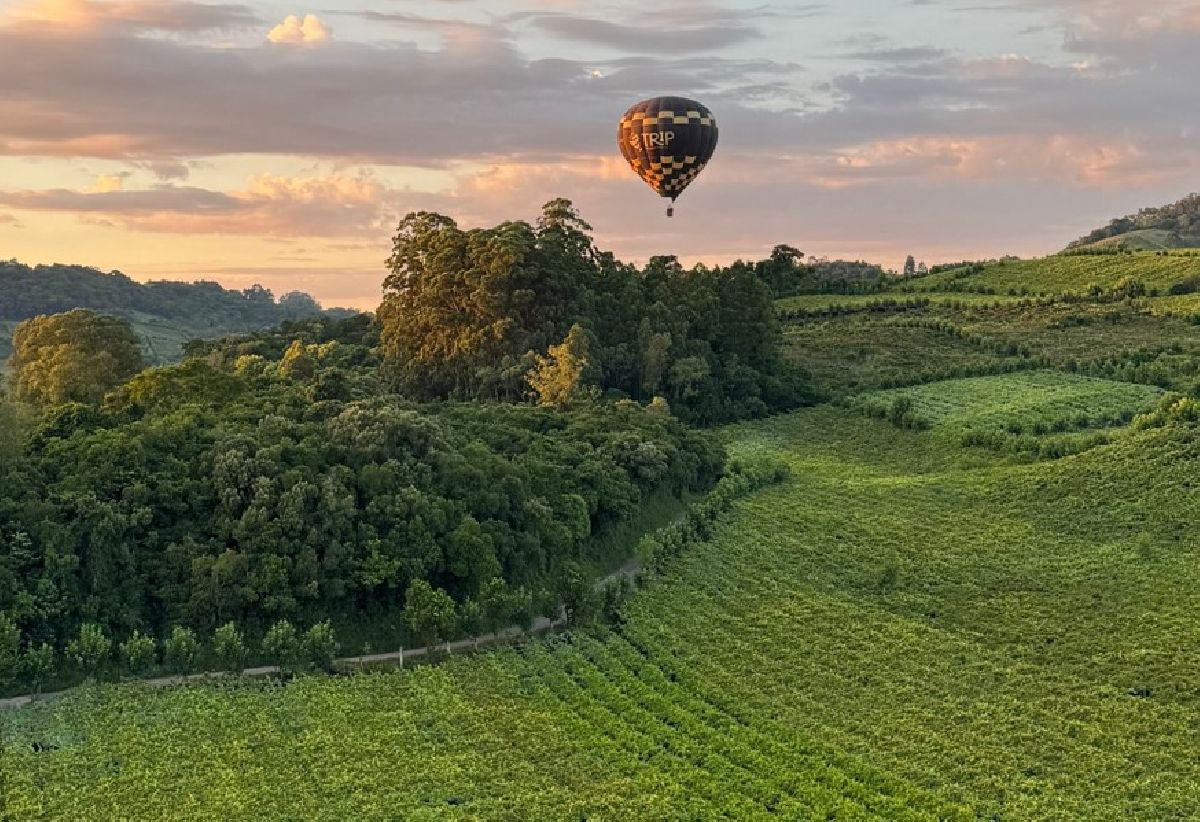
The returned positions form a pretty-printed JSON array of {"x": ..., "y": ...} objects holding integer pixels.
[
  {"x": 181, "y": 651},
  {"x": 10, "y": 651},
  {"x": 37, "y": 664},
  {"x": 138, "y": 653},
  {"x": 74, "y": 357},
  {"x": 470, "y": 553},
  {"x": 429, "y": 613},
  {"x": 910, "y": 266},
  {"x": 297, "y": 362},
  {"x": 229, "y": 648},
  {"x": 495, "y": 603},
  {"x": 470, "y": 620},
  {"x": 281, "y": 645},
  {"x": 579, "y": 599},
  {"x": 90, "y": 650},
  {"x": 558, "y": 380},
  {"x": 297, "y": 304},
  {"x": 320, "y": 647}
]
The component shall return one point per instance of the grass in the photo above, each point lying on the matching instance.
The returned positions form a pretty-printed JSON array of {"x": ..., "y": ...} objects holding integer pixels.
[
  {"x": 847, "y": 355},
  {"x": 904, "y": 630},
  {"x": 849, "y": 303},
  {"x": 1035, "y": 402},
  {"x": 1065, "y": 274}
]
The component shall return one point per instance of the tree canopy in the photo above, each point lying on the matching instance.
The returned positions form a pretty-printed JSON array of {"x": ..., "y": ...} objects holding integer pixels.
[
  {"x": 73, "y": 357},
  {"x": 473, "y": 314}
]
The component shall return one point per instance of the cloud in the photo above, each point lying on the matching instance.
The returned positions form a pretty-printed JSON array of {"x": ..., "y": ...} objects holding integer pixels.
[
  {"x": 146, "y": 15},
  {"x": 296, "y": 30},
  {"x": 269, "y": 206},
  {"x": 643, "y": 39},
  {"x": 108, "y": 183}
]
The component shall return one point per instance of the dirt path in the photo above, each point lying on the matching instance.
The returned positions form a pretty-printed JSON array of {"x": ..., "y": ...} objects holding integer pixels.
[{"x": 541, "y": 625}]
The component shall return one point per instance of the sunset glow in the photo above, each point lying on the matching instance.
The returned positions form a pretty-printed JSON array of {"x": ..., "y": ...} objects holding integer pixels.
[{"x": 260, "y": 142}]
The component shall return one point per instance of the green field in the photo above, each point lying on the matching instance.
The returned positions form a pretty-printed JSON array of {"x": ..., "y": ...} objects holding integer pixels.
[
  {"x": 848, "y": 303},
  {"x": 1037, "y": 402},
  {"x": 1065, "y": 274},
  {"x": 903, "y": 630},
  {"x": 855, "y": 353},
  {"x": 1182, "y": 305}
]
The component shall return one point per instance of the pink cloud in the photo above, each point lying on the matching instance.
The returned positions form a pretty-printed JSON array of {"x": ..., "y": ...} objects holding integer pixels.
[{"x": 274, "y": 206}]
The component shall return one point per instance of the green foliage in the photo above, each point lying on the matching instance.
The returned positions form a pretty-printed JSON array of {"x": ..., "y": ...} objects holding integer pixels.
[
  {"x": 138, "y": 653},
  {"x": 429, "y": 613},
  {"x": 1007, "y": 668},
  {"x": 1013, "y": 412},
  {"x": 229, "y": 648},
  {"x": 474, "y": 314},
  {"x": 37, "y": 664},
  {"x": 181, "y": 650},
  {"x": 74, "y": 357},
  {"x": 165, "y": 315},
  {"x": 283, "y": 647},
  {"x": 319, "y": 646},
  {"x": 496, "y": 605},
  {"x": 10, "y": 651},
  {"x": 1066, "y": 275},
  {"x": 90, "y": 650},
  {"x": 243, "y": 500},
  {"x": 557, "y": 380}
]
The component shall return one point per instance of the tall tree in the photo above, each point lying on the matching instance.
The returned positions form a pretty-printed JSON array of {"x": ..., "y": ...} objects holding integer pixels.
[
  {"x": 74, "y": 357},
  {"x": 558, "y": 379}
]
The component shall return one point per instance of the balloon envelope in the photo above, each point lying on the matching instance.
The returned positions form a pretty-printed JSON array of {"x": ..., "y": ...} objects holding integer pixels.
[{"x": 668, "y": 141}]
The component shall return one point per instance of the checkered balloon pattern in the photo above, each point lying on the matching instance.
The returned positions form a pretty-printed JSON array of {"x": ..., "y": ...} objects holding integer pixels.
[{"x": 667, "y": 142}]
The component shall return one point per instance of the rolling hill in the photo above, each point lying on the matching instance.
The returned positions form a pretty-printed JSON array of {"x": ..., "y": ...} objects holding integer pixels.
[
  {"x": 164, "y": 315},
  {"x": 967, "y": 601},
  {"x": 1152, "y": 229}
]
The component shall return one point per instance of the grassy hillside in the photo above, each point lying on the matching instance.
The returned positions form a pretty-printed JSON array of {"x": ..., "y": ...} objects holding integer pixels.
[
  {"x": 1038, "y": 401},
  {"x": 905, "y": 630},
  {"x": 911, "y": 627},
  {"x": 1176, "y": 225},
  {"x": 1067, "y": 274}
]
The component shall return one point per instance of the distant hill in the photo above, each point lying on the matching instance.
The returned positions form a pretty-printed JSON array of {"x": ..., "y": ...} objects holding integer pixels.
[
  {"x": 1152, "y": 229},
  {"x": 165, "y": 315}
]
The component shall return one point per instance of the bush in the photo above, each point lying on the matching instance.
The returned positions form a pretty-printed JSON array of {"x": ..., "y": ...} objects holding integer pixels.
[
  {"x": 281, "y": 645},
  {"x": 181, "y": 651},
  {"x": 91, "y": 650},
  {"x": 138, "y": 653},
  {"x": 320, "y": 647},
  {"x": 229, "y": 648}
]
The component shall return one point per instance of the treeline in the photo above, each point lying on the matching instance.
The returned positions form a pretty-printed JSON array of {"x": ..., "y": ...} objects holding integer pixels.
[
  {"x": 30, "y": 291},
  {"x": 787, "y": 274},
  {"x": 537, "y": 311},
  {"x": 1181, "y": 219}
]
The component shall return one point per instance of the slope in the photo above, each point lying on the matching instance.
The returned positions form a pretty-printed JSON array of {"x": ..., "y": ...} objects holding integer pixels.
[{"x": 904, "y": 630}]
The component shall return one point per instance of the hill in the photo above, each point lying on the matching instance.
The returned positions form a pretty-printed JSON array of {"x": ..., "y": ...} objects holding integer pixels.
[
  {"x": 1079, "y": 275},
  {"x": 963, "y": 599},
  {"x": 1171, "y": 226},
  {"x": 165, "y": 314}
]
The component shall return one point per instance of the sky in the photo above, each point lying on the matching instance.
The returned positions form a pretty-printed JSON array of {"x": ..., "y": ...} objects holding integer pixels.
[{"x": 275, "y": 143}]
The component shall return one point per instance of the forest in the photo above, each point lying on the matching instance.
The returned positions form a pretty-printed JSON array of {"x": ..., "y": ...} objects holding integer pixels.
[{"x": 519, "y": 399}]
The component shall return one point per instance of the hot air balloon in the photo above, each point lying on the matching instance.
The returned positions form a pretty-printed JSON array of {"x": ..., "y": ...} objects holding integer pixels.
[{"x": 668, "y": 141}]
